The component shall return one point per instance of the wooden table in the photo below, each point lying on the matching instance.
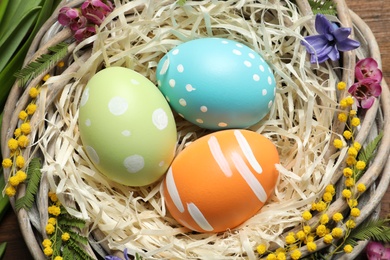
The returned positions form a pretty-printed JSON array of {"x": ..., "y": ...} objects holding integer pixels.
[{"x": 374, "y": 13}]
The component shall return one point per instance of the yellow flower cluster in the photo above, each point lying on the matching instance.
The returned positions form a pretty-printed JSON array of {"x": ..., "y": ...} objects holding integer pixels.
[
  {"x": 325, "y": 226},
  {"x": 19, "y": 141},
  {"x": 52, "y": 229}
]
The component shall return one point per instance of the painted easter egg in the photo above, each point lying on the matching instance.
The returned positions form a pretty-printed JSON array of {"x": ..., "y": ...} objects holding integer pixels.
[
  {"x": 217, "y": 83},
  {"x": 221, "y": 180},
  {"x": 126, "y": 127}
]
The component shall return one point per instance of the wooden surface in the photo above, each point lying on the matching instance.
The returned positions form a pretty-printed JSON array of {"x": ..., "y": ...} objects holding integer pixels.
[{"x": 374, "y": 13}]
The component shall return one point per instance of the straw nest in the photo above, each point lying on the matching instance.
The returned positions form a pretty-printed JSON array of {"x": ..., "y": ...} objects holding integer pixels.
[{"x": 301, "y": 124}]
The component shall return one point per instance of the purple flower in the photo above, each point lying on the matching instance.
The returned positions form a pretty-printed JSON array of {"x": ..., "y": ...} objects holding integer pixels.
[
  {"x": 368, "y": 68},
  {"x": 84, "y": 32},
  {"x": 329, "y": 42},
  {"x": 110, "y": 257},
  {"x": 95, "y": 10},
  {"x": 365, "y": 91},
  {"x": 68, "y": 15}
]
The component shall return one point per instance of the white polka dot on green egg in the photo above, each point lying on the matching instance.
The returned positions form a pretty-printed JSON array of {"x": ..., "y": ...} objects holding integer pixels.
[
  {"x": 217, "y": 83},
  {"x": 126, "y": 127}
]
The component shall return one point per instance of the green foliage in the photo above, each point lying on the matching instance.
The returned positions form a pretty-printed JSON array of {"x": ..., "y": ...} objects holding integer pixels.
[
  {"x": 74, "y": 247},
  {"x": 181, "y": 2},
  {"x": 20, "y": 21},
  {"x": 3, "y": 246},
  {"x": 4, "y": 200},
  {"x": 138, "y": 257},
  {"x": 368, "y": 153},
  {"x": 323, "y": 7},
  {"x": 33, "y": 180},
  {"x": 69, "y": 221},
  {"x": 377, "y": 230},
  {"x": 42, "y": 63}
]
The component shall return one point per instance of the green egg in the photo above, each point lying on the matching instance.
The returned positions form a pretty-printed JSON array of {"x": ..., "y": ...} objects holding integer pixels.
[{"x": 126, "y": 127}]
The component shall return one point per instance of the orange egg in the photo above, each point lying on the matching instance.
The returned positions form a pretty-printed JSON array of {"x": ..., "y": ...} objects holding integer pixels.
[{"x": 221, "y": 180}]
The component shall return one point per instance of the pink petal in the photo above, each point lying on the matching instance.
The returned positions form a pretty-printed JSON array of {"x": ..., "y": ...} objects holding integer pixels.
[{"x": 367, "y": 103}]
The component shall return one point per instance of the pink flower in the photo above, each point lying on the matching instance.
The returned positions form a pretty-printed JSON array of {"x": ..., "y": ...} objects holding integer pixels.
[
  {"x": 365, "y": 91},
  {"x": 84, "y": 32},
  {"x": 68, "y": 15},
  {"x": 368, "y": 68},
  {"x": 96, "y": 10},
  {"x": 78, "y": 24}
]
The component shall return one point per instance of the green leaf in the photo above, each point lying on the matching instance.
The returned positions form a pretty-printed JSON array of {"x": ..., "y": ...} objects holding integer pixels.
[
  {"x": 377, "y": 230},
  {"x": 368, "y": 153},
  {"x": 16, "y": 10},
  {"x": 42, "y": 63},
  {"x": 181, "y": 2},
  {"x": 3, "y": 246},
  {"x": 79, "y": 252},
  {"x": 33, "y": 179},
  {"x": 10, "y": 43},
  {"x": 4, "y": 200},
  {"x": 6, "y": 76},
  {"x": 323, "y": 7},
  {"x": 3, "y": 7},
  {"x": 69, "y": 221}
]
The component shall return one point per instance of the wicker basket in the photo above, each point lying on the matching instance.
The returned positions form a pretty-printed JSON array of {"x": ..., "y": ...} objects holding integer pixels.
[{"x": 33, "y": 223}]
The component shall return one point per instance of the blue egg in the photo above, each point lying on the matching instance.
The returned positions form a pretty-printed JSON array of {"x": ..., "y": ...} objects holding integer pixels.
[{"x": 217, "y": 83}]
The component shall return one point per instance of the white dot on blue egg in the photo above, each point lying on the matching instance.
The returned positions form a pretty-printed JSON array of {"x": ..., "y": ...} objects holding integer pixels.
[
  {"x": 264, "y": 92},
  {"x": 248, "y": 63},
  {"x": 175, "y": 52},
  {"x": 269, "y": 80},
  {"x": 172, "y": 83},
  {"x": 203, "y": 109},
  {"x": 251, "y": 55},
  {"x": 180, "y": 68},
  {"x": 225, "y": 42},
  {"x": 269, "y": 70},
  {"x": 256, "y": 77},
  {"x": 270, "y": 104},
  {"x": 167, "y": 98},
  {"x": 199, "y": 120},
  {"x": 183, "y": 102},
  {"x": 239, "y": 45},
  {"x": 261, "y": 67},
  {"x": 190, "y": 88},
  {"x": 159, "y": 83},
  {"x": 237, "y": 52}
]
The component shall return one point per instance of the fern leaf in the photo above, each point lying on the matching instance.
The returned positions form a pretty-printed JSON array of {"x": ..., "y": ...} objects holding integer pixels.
[
  {"x": 77, "y": 250},
  {"x": 78, "y": 238},
  {"x": 42, "y": 63},
  {"x": 33, "y": 179},
  {"x": 369, "y": 151},
  {"x": 323, "y": 7},
  {"x": 70, "y": 222},
  {"x": 377, "y": 230}
]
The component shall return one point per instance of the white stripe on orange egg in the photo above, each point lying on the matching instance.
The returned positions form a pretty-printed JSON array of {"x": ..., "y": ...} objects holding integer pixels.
[
  {"x": 219, "y": 157},
  {"x": 249, "y": 178},
  {"x": 172, "y": 190},
  {"x": 246, "y": 149},
  {"x": 198, "y": 217}
]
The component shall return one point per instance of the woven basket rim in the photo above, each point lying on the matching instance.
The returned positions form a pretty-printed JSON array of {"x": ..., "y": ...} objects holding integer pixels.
[{"x": 380, "y": 112}]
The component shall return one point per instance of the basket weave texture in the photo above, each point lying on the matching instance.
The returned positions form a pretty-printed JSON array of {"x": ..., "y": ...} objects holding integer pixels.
[{"x": 32, "y": 223}]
